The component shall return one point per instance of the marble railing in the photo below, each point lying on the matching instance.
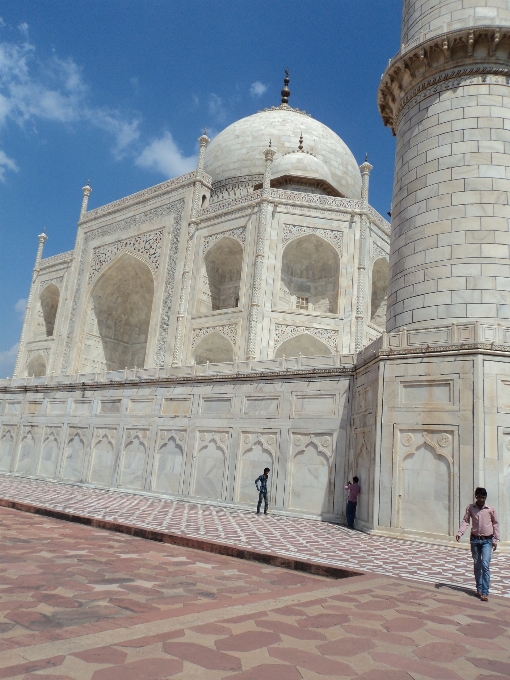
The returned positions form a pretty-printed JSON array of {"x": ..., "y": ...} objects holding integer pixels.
[
  {"x": 315, "y": 200},
  {"x": 236, "y": 368},
  {"x": 441, "y": 338}
]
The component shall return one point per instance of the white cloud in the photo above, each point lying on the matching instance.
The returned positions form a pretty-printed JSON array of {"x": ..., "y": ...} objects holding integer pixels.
[
  {"x": 7, "y": 361},
  {"x": 257, "y": 89},
  {"x": 20, "y": 307},
  {"x": 164, "y": 155},
  {"x": 216, "y": 107},
  {"x": 32, "y": 89},
  {"x": 6, "y": 163}
]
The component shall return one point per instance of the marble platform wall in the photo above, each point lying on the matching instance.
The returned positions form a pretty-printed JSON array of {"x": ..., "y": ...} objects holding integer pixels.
[{"x": 207, "y": 441}]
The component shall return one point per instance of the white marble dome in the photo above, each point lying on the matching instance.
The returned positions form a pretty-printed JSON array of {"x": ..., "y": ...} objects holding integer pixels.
[{"x": 237, "y": 151}]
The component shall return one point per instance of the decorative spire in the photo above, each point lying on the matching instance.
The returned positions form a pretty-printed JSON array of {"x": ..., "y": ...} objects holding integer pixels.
[
  {"x": 300, "y": 147},
  {"x": 286, "y": 91},
  {"x": 86, "y": 193}
]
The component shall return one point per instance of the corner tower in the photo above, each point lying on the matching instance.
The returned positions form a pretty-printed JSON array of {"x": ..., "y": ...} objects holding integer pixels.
[{"x": 446, "y": 96}]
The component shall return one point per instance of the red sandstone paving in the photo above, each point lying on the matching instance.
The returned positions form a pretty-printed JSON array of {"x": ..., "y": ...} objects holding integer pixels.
[{"x": 77, "y": 603}]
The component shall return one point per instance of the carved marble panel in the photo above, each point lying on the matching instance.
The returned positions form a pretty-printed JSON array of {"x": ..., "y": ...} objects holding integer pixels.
[
  {"x": 134, "y": 458},
  {"x": 7, "y": 442},
  {"x": 228, "y": 330},
  {"x": 169, "y": 463},
  {"x": 148, "y": 245},
  {"x": 141, "y": 406},
  {"x": 284, "y": 332},
  {"x": 425, "y": 458},
  {"x": 257, "y": 451},
  {"x": 292, "y": 231},
  {"x": 103, "y": 452},
  {"x": 110, "y": 406},
  {"x": 56, "y": 407},
  {"x": 81, "y": 407},
  {"x": 239, "y": 234},
  {"x": 261, "y": 405},
  {"x": 310, "y": 472},
  {"x": 431, "y": 394},
  {"x": 49, "y": 452},
  {"x": 176, "y": 406},
  {"x": 209, "y": 464},
  {"x": 313, "y": 404},
  {"x": 33, "y": 408},
  {"x": 27, "y": 454},
  {"x": 74, "y": 454},
  {"x": 216, "y": 405}
]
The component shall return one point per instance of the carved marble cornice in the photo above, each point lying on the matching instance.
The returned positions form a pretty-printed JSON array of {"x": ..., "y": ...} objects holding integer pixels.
[
  {"x": 443, "y": 61},
  {"x": 56, "y": 259}
]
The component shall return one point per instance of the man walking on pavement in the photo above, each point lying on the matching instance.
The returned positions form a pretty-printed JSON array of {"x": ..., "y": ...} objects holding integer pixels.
[
  {"x": 352, "y": 501},
  {"x": 261, "y": 484},
  {"x": 484, "y": 539}
]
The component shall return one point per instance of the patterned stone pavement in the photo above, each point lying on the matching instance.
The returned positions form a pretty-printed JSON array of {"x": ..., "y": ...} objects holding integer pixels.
[
  {"x": 78, "y": 603},
  {"x": 284, "y": 536}
]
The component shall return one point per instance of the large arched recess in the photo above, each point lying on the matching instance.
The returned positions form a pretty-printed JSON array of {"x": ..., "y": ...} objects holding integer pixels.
[
  {"x": 215, "y": 349},
  {"x": 304, "y": 344},
  {"x": 118, "y": 317},
  {"x": 49, "y": 304},
  {"x": 221, "y": 276},
  {"x": 310, "y": 275},
  {"x": 36, "y": 367}
]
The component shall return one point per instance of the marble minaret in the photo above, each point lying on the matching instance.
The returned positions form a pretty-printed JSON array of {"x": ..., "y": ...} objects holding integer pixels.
[{"x": 446, "y": 96}]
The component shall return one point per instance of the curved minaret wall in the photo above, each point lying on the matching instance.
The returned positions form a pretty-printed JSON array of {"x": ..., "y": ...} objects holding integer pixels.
[
  {"x": 446, "y": 96},
  {"x": 433, "y": 17}
]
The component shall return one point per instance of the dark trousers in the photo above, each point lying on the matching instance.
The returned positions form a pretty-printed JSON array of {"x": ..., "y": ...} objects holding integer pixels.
[
  {"x": 262, "y": 497},
  {"x": 350, "y": 513}
]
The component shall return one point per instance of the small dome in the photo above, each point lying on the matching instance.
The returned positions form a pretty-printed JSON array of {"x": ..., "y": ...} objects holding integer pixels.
[
  {"x": 300, "y": 164},
  {"x": 237, "y": 152}
]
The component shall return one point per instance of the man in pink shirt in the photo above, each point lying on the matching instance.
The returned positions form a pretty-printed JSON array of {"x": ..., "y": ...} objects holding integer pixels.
[
  {"x": 484, "y": 539},
  {"x": 352, "y": 501}
]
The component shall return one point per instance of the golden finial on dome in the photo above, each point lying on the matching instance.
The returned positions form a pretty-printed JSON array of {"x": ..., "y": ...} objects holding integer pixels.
[{"x": 286, "y": 92}]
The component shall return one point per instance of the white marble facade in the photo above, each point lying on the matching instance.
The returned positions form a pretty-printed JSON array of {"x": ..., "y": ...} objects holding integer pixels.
[{"x": 258, "y": 312}]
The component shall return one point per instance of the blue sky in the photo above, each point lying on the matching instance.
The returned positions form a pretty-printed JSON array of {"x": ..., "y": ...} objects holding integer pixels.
[{"x": 118, "y": 91}]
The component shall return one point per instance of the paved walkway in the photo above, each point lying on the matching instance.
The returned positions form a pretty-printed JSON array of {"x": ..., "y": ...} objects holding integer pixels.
[
  {"x": 294, "y": 538},
  {"x": 78, "y": 603}
]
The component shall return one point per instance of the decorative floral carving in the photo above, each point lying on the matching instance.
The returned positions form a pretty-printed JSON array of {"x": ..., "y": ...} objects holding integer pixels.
[
  {"x": 223, "y": 437},
  {"x": 444, "y": 440},
  {"x": 44, "y": 352},
  {"x": 239, "y": 234},
  {"x": 56, "y": 259},
  {"x": 203, "y": 436},
  {"x": 378, "y": 252},
  {"x": 174, "y": 209},
  {"x": 142, "y": 195},
  {"x": 292, "y": 231},
  {"x": 298, "y": 440},
  {"x": 325, "y": 441},
  {"x": 233, "y": 187},
  {"x": 228, "y": 330},
  {"x": 56, "y": 281},
  {"x": 375, "y": 218},
  {"x": 326, "y": 335},
  {"x": 247, "y": 438},
  {"x": 147, "y": 244},
  {"x": 271, "y": 440},
  {"x": 407, "y": 439},
  {"x": 228, "y": 203}
]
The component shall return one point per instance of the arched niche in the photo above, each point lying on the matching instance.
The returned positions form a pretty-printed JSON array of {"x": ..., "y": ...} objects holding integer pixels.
[
  {"x": 36, "y": 367},
  {"x": 6, "y": 450},
  {"x": 74, "y": 455},
  {"x": 380, "y": 278},
  {"x": 210, "y": 471},
  {"x": 49, "y": 456},
  {"x": 425, "y": 491},
  {"x": 253, "y": 462},
  {"x": 102, "y": 462},
  {"x": 133, "y": 464},
  {"x": 305, "y": 344},
  {"x": 221, "y": 276},
  {"x": 118, "y": 317},
  {"x": 215, "y": 349},
  {"x": 310, "y": 480},
  {"x": 169, "y": 465},
  {"x": 310, "y": 276},
  {"x": 49, "y": 300}
]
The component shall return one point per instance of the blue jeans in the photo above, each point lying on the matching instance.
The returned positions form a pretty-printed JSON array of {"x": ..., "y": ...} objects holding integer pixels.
[
  {"x": 481, "y": 549},
  {"x": 262, "y": 497},
  {"x": 350, "y": 513}
]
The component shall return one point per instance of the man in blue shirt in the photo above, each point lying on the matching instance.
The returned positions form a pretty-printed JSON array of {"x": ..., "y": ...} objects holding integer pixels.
[{"x": 261, "y": 484}]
